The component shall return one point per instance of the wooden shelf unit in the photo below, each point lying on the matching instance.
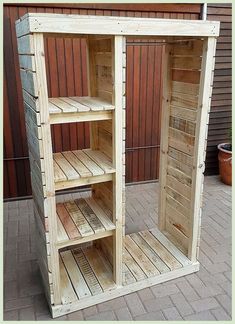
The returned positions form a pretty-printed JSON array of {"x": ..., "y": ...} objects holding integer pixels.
[{"x": 83, "y": 253}]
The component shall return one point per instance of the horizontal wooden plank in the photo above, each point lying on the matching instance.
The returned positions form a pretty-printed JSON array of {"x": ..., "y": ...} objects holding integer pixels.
[
  {"x": 177, "y": 220},
  {"x": 178, "y": 197},
  {"x": 186, "y": 63},
  {"x": 29, "y": 82},
  {"x": 181, "y": 136},
  {"x": 181, "y": 239},
  {"x": 25, "y": 44},
  {"x": 32, "y": 102},
  {"x": 185, "y": 88},
  {"x": 180, "y": 156},
  {"x": 49, "y": 23},
  {"x": 186, "y": 76},
  {"x": 183, "y": 125},
  {"x": 183, "y": 113},
  {"x": 27, "y": 62},
  {"x": 80, "y": 117},
  {"x": 178, "y": 186},
  {"x": 180, "y": 166},
  {"x": 193, "y": 48},
  {"x": 163, "y": 7},
  {"x": 181, "y": 176},
  {"x": 184, "y": 100}
]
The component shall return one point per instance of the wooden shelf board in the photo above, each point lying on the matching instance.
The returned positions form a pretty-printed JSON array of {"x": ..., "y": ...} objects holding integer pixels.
[
  {"x": 81, "y": 167},
  {"x": 78, "y": 109},
  {"x": 80, "y": 221},
  {"x": 149, "y": 257}
]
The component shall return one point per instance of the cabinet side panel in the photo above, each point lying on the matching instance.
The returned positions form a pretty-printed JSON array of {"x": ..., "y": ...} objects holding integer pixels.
[{"x": 180, "y": 117}]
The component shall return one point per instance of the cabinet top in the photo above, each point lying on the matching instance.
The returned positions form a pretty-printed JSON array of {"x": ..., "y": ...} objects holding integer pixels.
[{"x": 108, "y": 25}]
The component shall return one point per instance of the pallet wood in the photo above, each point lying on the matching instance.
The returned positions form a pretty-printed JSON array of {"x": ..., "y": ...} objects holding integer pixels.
[
  {"x": 48, "y": 23},
  {"x": 83, "y": 252}
]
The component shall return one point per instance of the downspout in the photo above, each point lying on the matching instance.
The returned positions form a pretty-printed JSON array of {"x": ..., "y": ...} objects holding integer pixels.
[{"x": 204, "y": 11}]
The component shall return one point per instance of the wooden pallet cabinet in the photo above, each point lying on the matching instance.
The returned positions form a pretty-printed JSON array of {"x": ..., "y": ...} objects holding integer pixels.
[{"x": 83, "y": 253}]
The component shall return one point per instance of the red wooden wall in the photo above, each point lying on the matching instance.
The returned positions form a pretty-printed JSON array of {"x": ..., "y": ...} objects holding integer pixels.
[{"x": 66, "y": 72}]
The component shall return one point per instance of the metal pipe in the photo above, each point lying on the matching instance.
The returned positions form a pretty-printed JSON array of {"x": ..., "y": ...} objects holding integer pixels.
[{"x": 204, "y": 11}]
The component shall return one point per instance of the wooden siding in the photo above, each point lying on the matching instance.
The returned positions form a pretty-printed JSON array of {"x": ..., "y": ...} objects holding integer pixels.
[
  {"x": 66, "y": 72},
  {"x": 221, "y": 104}
]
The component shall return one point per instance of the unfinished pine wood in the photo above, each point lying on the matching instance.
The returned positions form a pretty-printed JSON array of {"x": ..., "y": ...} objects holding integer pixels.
[
  {"x": 113, "y": 265},
  {"x": 149, "y": 254},
  {"x": 79, "y": 109},
  {"x": 81, "y": 221},
  {"x": 63, "y": 105},
  {"x": 82, "y": 166},
  {"x": 208, "y": 62},
  {"x": 48, "y": 23}
]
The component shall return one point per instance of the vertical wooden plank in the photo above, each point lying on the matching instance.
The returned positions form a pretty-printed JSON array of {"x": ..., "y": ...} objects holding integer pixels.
[
  {"x": 117, "y": 161},
  {"x": 164, "y": 135},
  {"x": 205, "y": 91},
  {"x": 50, "y": 204}
]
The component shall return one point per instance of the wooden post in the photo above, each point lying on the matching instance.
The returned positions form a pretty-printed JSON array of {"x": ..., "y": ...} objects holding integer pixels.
[
  {"x": 205, "y": 91},
  {"x": 49, "y": 204},
  {"x": 165, "y": 115},
  {"x": 117, "y": 161}
]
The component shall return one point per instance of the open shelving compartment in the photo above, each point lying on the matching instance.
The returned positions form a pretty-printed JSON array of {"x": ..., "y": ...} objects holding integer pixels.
[{"x": 83, "y": 253}]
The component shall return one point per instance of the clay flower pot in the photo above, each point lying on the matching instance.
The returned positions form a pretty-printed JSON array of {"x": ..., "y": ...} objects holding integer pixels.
[{"x": 225, "y": 162}]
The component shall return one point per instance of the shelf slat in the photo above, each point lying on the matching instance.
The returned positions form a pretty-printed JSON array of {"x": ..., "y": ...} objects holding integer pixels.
[
  {"x": 81, "y": 221},
  {"x": 74, "y": 168},
  {"x": 78, "y": 109},
  {"x": 65, "y": 105}
]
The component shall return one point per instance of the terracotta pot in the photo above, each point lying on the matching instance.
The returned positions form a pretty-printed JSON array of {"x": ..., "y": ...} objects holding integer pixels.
[{"x": 225, "y": 163}]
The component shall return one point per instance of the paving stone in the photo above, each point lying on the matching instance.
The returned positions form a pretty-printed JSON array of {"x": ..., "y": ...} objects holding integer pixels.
[
  {"x": 89, "y": 311},
  {"x": 220, "y": 314},
  {"x": 112, "y": 304},
  {"x": 12, "y": 315},
  {"x": 145, "y": 294},
  {"x": 225, "y": 301},
  {"x": 204, "y": 304},
  {"x": 153, "y": 316},
  {"x": 76, "y": 316},
  {"x": 135, "y": 305},
  {"x": 206, "y": 316},
  {"x": 18, "y": 303},
  {"x": 104, "y": 316},
  {"x": 40, "y": 304},
  {"x": 158, "y": 304},
  {"x": 10, "y": 290},
  {"x": 187, "y": 290},
  {"x": 182, "y": 305},
  {"x": 123, "y": 314},
  {"x": 172, "y": 314},
  {"x": 27, "y": 314},
  {"x": 164, "y": 290}
]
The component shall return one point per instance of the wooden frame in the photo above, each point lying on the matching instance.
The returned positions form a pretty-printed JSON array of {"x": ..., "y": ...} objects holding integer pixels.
[{"x": 112, "y": 264}]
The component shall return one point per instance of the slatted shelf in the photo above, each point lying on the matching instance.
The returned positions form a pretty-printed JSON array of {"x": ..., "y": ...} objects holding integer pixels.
[
  {"x": 84, "y": 272},
  {"x": 147, "y": 254},
  {"x": 81, "y": 220},
  {"x": 78, "y": 109},
  {"x": 81, "y": 167}
]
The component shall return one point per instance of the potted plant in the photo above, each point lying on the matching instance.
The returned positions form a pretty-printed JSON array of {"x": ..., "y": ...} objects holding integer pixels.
[{"x": 225, "y": 160}]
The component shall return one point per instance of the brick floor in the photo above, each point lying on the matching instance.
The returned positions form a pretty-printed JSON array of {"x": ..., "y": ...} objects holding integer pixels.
[{"x": 205, "y": 295}]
